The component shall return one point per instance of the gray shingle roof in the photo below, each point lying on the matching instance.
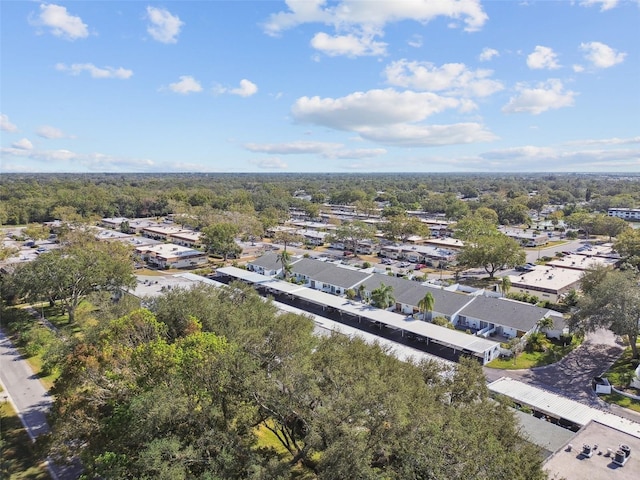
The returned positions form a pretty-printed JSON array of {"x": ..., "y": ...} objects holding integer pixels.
[
  {"x": 510, "y": 313},
  {"x": 268, "y": 261}
]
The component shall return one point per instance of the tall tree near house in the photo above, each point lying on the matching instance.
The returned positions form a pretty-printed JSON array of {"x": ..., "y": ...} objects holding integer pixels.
[
  {"x": 286, "y": 238},
  {"x": 382, "y": 297},
  {"x": 627, "y": 244},
  {"x": 83, "y": 265},
  {"x": 426, "y": 305},
  {"x": 220, "y": 238},
  {"x": 284, "y": 258},
  {"x": 612, "y": 303},
  {"x": 491, "y": 252},
  {"x": 352, "y": 233},
  {"x": 545, "y": 324},
  {"x": 505, "y": 286}
]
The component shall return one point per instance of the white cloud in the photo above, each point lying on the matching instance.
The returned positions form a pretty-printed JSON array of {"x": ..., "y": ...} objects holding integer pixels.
[
  {"x": 325, "y": 149},
  {"x": 246, "y": 88},
  {"x": 548, "y": 95},
  {"x": 270, "y": 164},
  {"x": 60, "y": 22},
  {"x": 408, "y": 135},
  {"x": 350, "y": 45},
  {"x": 532, "y": 158},
  {"x": 163, "y": 27},
  {"x": 187, "y": 84},
  {"x": 67, "y": 160},
  {"x": 6, "y": 125},
  {"x": 543, "y": 58},
  {"x": 415, "y": 41},
  {"x": 452, "y": 78},
  {"x": 601, "y": 55},
  {"x": 487, "y": 54},
  {"x": 357, "y": 23},
  {"x": 577, "y": 68},
  {"x": 604, "y": 4},
  {"x": 606, "y": 141},
  {"x": 49, "y": 132},
  {"x": 23, "y": 144},
  {"x": 374, "y": 107},
  {"x": 298, "y": 147},
  {"x": 95, "y": 72}
]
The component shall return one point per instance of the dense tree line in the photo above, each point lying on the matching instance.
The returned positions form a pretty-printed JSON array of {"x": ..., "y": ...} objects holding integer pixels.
[
  {"x": 185, "y": 388},
  {"x": 33, "y": 198}
]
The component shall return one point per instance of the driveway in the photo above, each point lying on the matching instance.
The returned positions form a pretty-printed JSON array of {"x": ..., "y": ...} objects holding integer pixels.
[{"x": 571, "y": 377}]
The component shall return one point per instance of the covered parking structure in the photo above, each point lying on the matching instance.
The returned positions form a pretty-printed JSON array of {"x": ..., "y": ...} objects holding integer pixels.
[{"x": 442, "y": 341}]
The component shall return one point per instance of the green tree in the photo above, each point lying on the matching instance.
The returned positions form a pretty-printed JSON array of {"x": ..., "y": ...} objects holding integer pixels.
[
  {"x": 352, "y": 233},
  {"x": 627, "y": 244},
  {"x": 505, "y": 286},
  {"x": 491, "y": 252},
  {"x": 81, "y": 266},
  {"x": 220, "y": 238},
  {"x": 286, "y": 238},
  {"x": 36, "y": 231},
  {"x": 426, "y": 305},
  {"x": 401, "y": 227},
  {"x": 382, "y": 297},
  {"x": 284, "y": 258},
  {"x": 612, "y": 303}
]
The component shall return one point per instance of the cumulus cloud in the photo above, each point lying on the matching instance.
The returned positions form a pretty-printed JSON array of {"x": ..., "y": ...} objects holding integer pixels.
[
  {"x": 356, "y": 23},
  {"x": 374, "y": 107},
  {"x": 350, "y": 45},
  {"x": 67, "y": 160},
  {"x": 186, "y": 85},
  {"x": 601, "y": 55},
  {"x": 49, "y": 132},
  {"x": 23, "y": 144},
  {"x": 324, "y": 149},
  {"x": 391, "y": 117},
  {"x": 95, "y": 72},
  {"x": 543, "y": 58},
  {"x": 532, "y": 158},
  {"x": 6, "y": 125},
  {"x": 290, "y": 148},
  {"x": 246, "y": 88},
  {"x": 604, "y": 4},
  {"x": 409, "y": 135},
  {"x": 606, "y": 141},
  {"x": 549, "y": 95},
  {"x": 488, "y": 54},
  {"x": 415, "y": 41},
  {"x": 60, "y": 23},
  {"x": 163, "y": 26},
  {"x": 452, "y": 78},
  {"x": 270, "y": 164}
]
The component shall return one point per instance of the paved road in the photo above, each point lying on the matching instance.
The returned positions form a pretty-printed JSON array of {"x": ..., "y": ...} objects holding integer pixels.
[
  {"x": 30, "y": 399},
  {"x": 571, "y": 377}
]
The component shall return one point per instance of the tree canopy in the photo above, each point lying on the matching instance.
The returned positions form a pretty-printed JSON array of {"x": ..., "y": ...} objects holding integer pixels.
[{"x": 188, "y": 388}]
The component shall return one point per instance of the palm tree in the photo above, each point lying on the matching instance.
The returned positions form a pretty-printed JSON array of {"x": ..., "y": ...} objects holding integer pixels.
[
  {"x": 284, "y": 258},
  {"x": 426, "y": 305},
  {"x": 545, "y": 323},
  {"x": 383, "y": 296},
  {"x": 505, "y": 285}
]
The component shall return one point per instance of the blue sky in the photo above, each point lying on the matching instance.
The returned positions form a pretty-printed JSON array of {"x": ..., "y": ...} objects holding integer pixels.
[{"x": 320, "y": 86}]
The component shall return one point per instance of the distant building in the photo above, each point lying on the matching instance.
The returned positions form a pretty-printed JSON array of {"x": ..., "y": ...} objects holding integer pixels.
[
  {"x": 168, "y": 255},
  {"x": 625, "y": 213}
]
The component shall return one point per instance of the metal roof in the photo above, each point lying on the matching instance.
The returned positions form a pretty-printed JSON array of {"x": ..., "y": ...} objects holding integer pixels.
[
  {"x": 561, "y": 407},
  {"x": 452, "y": 338}
]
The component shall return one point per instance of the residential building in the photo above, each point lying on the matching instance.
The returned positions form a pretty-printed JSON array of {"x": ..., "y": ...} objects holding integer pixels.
[
  {"x": 632, "y": 214},
  {"x": 168, "y": 255},
  {"x": 546, "y": 282}
]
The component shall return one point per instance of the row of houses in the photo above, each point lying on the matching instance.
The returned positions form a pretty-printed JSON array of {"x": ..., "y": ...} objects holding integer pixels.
[{"x": 483, "y": 313}]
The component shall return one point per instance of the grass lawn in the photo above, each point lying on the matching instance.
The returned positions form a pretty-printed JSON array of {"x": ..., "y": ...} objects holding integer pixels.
[
  {"x": 18, "y": 457},
  {"x": 267, "y": 439},
  {"x": 619, "y": 375},
  {"x": 554, "y": 353},
  {"x": 622, "y": 401}
]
